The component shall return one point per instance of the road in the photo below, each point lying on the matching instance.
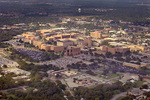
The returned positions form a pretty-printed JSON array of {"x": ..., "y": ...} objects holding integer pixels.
[
  {"x": 122, "y": 94},
  {"x": 114, "y": 60},
  {"x": 67, "y": 88},
  {"x": 20, "y": 87},
  {"x": 119, "y": 95}
]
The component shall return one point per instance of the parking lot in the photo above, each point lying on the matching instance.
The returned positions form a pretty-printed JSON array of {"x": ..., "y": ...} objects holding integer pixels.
[
  {"x": 84, "y": 57},
  {"x": 62, "y": 62},
  {"x": 126, "y": 69},
  {"x": 31, "y": 53},
  {"x": 14, "y": 43},
  {"x": 16, "y": 71},
  {"x": 9, "y": 63}
]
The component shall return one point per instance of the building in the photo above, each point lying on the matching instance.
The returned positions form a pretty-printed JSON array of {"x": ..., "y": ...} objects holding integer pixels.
[
  {"x": 127, "y": 77},
  {"x": 136, "y": 48},
  {"x": 116, "y": 44},
  {"x": 96, "y": 34},
  {"x": 88, "y": 40},
  {"x": 48, "y": 47},
  {"x": 104, "y": 48},
  {"x": 45, "y": 47},
  {"x": 31, "y": 37},
  {"x": 114, "y": 50},
  {"x": 63, "y": 36},
  {"x": 37, "y": 43},
  {"x": 122, "y": 49},
  {"x": 64, "y": 43},
  {"x": 49, "y": 38},
  {"x": 144, "y": 64},
  {"x": 57, "y": 48},
  {"x": 81, "y": 42},
  {"x": 131, "y": 65},
  {"x": 56, "y": 37},
  {"x": 110, "y": 39},
  {"x": 99, "y": 53},
  {"x": 73, "y": 35},
  {"x": 72, "y": 50}
]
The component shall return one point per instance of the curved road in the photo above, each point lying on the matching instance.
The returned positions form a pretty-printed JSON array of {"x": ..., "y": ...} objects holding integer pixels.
[
  {"x": 15, "y": 88},
  {"x": 123, "y": 94},
  {"x": 119, "y": 95}
]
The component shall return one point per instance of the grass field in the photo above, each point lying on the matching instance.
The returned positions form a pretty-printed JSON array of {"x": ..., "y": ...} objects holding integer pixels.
[{"x": 120, "y": 98}]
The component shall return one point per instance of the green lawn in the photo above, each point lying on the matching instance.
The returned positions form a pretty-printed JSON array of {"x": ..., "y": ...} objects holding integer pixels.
[
  {"x": 2, "y": 54},
  {"x": 111, "y": 75},
  {"x": 139, "y": 83},
  {"x": 120, "y": 98}
]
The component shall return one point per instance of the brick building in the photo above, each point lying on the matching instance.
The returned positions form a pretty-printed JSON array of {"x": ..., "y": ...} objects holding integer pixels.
[{"x": 72, "y": 50}]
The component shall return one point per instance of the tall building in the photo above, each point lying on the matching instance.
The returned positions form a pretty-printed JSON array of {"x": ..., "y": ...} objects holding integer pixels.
[
  {"x": 72, "y": 50},
  {"x": 88, "y": 40}
]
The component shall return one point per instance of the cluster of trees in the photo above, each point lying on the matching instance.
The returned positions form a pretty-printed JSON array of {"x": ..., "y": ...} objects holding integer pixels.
[
  {"x": 27, "y": 19},
  {"x": 3, "y": 96},
  {"x": 88, "y": 27},
  {"x": 27, "y": 44},
  {"x": 4, "y": 45},
  {"x": 131, "y": 97},
  {"x": 46, "y": 90},
  {"x": 6, "y": 82},
  {"x": 52, "y": 42},
  {"x": 50, "y": 55},
  {"x": 36, "y": 68},
  {"x": 7, "y": 35},
  {"x": 90, "y": 72},
  {"x": 101, "y": 92},
  {"x": 31, "y": 13},
  {"x": 78, "y": 65}
]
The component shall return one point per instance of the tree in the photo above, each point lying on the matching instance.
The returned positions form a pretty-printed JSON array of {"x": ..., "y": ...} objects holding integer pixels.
[
  {"x": 108, "y": 54},
  {"x": 79, "y": 70},
  {"x": 67, "y": 93},
  {"x": 6, "y": 82},
  {"x": 97, "y": 98},
  {"x": 114, "y": 71},
  {"x": 144, "y": 86},
  {"x": 37, "y": 77},
  {"x": 105, "y": 72},
  {"x": 4, "y": 66},
  {"x": 59, "y": 84},
  {"x": 69, "y": 69},
  {"x": 90, "y": 72}
]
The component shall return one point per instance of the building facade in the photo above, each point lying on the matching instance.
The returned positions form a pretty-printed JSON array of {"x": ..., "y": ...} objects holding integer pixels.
[{"x": 72, "y": 50}]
